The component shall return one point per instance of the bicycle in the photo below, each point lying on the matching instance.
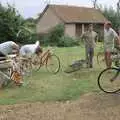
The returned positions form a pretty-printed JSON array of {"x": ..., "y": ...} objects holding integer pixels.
[
  {"x": 16, "y": 69},
  {"x": 115, "y": 58},
  {"x": 48, "y": 59},
  {"x": 109, "y": 80},
  {"x": 37, "y": 61},
  {"x": 11, "y": 70},
  {"x": 76, "y": 66}
]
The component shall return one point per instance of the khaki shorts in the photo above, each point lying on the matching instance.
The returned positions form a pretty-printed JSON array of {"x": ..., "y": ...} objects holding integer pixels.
[{"x": 109, "y": 48}]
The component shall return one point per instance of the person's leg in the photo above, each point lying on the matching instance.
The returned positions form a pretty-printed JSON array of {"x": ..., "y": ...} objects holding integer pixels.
[
  {"x": 91, "y": 54},
  {"x": 108, "y": 59},
  {"x": 87, "y": 56}
]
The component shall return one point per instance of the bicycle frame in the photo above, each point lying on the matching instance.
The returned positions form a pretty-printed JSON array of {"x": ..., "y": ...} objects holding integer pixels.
[
  {"x": 115, "y": 56},
  {"x": 44, "y": 58},
  {"x": 12, "y": 71}
]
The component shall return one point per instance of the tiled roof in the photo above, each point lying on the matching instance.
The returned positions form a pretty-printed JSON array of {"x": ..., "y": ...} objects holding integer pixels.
[{"x": 75, "y": 14}]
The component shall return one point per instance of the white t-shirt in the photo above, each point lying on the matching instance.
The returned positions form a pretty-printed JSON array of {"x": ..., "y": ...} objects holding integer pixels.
[
  {"x": 109, "y": 36},
  {"x": 7, "y": 47},
  {"x": 28, "y": 50}
]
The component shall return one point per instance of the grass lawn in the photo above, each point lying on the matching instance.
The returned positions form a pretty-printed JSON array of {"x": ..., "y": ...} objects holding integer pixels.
[{"x": 44, "y": 86}]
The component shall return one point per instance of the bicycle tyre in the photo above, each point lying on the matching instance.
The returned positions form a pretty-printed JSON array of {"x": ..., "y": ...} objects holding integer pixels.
[
  {"x": 58, "y": 64},
  {"x": 115, "y": 73}
]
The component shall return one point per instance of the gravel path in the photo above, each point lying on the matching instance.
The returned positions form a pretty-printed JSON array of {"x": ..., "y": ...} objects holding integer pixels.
[{"x": 88, "y": 107}]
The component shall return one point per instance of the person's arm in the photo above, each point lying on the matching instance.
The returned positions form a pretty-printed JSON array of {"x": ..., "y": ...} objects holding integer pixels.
[
  {"x": 116, "y": 37},
  {"x": 96, "y": 37},
  {"x": 82, "y": 36}
]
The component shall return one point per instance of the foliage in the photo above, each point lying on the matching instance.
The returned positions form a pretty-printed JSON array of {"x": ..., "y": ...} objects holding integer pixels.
[
  {"x": 11, "y": 22},
  {"x": 56, "y": 34},
  {"x": 56, "y": 37},
  {"x": 67, "y": 41},
  {"x": 112, "y": 15},
  {"x": 31, "y": 24}
]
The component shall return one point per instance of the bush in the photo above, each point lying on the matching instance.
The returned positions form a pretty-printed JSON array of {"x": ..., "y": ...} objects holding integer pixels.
[
  {"x": 44, "y": 39},
  {"x": 67, "y": 41},
  {"x": 56, "y": 34},
  {"x": 56, "y": 37},
  {"x": 32, "y": 38}
]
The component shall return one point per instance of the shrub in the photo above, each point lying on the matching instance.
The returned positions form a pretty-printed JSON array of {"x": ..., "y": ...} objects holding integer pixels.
[
  {"x": 56, "y": 37},
  {"x": 56, "y": 34},
  {"x": 67, "y": 41}
]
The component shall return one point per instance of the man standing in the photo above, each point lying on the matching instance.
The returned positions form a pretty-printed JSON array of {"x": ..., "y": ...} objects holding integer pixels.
[
  {"x": 110, "y": 37},
  {"x": 89, "y": 40}
]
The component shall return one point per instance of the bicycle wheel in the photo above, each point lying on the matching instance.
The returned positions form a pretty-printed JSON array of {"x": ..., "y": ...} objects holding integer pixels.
[
  {"x": 53, "y": 64},
  {"x": 101, "y": 59},
  {"x": 36, "y": 62},
  {"x": 109, "y": 80}
]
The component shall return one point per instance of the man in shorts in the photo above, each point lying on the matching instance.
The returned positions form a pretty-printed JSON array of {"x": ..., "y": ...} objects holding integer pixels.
[
  {"x": 110, "y": 37},
  {"x": 89, "y": 39}
]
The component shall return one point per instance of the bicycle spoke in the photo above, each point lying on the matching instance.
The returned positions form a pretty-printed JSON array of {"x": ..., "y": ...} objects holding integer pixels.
[{"x": 36, "y": 62}]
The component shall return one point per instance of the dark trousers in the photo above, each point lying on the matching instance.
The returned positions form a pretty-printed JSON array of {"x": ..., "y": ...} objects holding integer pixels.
[{"x": 89, "y": 56}]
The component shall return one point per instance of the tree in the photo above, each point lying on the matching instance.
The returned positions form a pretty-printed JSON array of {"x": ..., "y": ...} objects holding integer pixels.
[
  {"x": 94, "y": 3},
  {"x": 10, "y": 22},
  {"x": 118, "y": 7},
  {"x": 31, "y": 24},
  {"x": 112, "y": 16}
]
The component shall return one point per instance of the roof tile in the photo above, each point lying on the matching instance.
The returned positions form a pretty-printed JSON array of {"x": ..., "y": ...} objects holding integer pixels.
[{"x": 74, "y": 14}]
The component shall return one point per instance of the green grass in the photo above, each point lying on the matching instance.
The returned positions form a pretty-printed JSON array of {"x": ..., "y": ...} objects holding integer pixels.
[{"x": 44, "y": 86}]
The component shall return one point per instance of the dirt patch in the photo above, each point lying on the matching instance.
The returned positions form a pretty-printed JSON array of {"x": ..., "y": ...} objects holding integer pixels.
[{"x": 88, "y": 107}]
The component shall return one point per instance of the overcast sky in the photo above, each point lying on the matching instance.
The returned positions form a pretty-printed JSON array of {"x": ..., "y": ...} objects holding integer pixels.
[{"x": 31, "y": 8}]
